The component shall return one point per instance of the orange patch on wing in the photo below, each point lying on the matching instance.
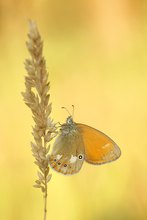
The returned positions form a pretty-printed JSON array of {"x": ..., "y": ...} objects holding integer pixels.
[{"x": 99, "y": 148}]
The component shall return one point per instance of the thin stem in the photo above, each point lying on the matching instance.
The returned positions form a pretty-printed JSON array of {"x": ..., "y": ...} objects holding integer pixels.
[
  {"x": 45, "y": 201},
  {"x": 45, "y": 185}
]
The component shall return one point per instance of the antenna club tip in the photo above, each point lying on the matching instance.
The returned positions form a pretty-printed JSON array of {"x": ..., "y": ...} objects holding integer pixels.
[{"x": 68, "y": 111}]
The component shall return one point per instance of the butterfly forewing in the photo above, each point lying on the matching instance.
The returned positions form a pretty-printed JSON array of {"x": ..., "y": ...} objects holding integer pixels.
[{"x": 99, "y": 148}]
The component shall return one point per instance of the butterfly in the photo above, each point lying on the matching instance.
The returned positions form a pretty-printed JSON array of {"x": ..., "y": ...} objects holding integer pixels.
[{"x": 77, "y": 143}]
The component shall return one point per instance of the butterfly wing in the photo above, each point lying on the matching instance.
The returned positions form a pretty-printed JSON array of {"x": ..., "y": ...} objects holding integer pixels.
[
  {"x": 68, "y": 153},
  {"x": 99, "y": 148}
]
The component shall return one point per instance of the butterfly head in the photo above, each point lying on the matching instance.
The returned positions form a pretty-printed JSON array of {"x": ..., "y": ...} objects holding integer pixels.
[{"x": 69, "y": 120}]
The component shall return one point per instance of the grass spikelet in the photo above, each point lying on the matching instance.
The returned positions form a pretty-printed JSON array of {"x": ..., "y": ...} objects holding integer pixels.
[{"x": 37, "y": 98}]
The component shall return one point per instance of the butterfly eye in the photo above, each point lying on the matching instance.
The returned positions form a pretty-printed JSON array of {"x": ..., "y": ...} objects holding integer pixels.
[
  {"x": 59, "y": 163},
  {"x": 80, "y": 157},
  {"x": 55, "y": 160},
  {"x": 65, "y": 165}
]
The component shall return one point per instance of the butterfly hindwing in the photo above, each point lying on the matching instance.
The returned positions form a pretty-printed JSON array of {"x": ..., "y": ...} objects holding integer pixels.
[
  {"x": 99, "y": 148},
  {"x": 68, "y": 154}
]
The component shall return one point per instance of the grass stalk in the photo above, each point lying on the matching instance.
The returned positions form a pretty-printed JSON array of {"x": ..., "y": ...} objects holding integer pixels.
[{"x": 37, "y": 98}]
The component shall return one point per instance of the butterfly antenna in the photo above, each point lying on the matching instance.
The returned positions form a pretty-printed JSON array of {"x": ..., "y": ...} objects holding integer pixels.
[
  {"x": 66, "y": 110},
  {"x": 73, "y": 111}
]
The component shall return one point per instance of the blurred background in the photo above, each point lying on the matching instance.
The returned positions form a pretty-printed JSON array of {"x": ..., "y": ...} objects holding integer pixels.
[{"x": 96, "y": 53}]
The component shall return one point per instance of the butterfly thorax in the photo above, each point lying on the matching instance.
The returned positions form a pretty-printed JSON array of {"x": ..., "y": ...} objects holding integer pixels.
[{"x": 69, "y": 128}]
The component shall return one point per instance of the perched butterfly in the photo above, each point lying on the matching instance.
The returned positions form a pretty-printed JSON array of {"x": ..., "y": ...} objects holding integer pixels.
[{"x": 77, "y": 143}]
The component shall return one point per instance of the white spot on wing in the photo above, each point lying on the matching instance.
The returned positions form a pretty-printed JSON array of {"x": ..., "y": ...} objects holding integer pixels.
[
  {"x": 58, "y": 157},
  {"x": 106, "y": 145},
  {"x": 73, "y": 159}
]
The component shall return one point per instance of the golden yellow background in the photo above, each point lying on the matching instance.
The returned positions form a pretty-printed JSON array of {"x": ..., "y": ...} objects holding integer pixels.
[{"x": 96, "y": 54}]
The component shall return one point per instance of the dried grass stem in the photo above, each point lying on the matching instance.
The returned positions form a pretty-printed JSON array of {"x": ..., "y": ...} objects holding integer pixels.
[{"x": 37, "y": 98}]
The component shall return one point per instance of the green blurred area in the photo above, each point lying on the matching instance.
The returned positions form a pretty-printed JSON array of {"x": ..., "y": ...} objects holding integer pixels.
[{"x": 96, "y": 53}]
